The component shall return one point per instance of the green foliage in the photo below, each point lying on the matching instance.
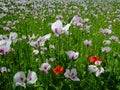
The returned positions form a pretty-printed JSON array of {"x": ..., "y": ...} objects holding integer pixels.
[{"x": 37, "y": 22}]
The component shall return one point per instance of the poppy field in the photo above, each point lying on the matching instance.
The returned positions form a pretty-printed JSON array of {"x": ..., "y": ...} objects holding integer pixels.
[{"x": 59, "y": 45}]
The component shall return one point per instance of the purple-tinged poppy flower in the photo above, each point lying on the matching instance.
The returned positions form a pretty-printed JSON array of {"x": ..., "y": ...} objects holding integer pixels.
[
  {"x": 96, "y": 68},
  {"x": 86, "y": 20},
  {"x": 58, "y": 28},
  {"x": 72, "y": 54},
  {"x": 34, "y": 44},
  {"x": 76, "y": 19},
  {"x": 80, "y": 25},
  {"x": 88, "y": 43},
  {"x": 106, "y": 49},
  {"x": 114, "y": 38},
  {"x": 72, "y": 74},
  {"x": 6, "y": 28},
  {"x": 41, "y": 40},
  {"x": 99, "y": 71},
  {"x": 45, "y": 67},
  {"x": 106, "y": 31},
  {"x": 5, "y": 47}
]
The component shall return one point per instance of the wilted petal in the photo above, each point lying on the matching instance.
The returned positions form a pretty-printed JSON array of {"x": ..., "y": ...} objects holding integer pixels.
[{"x": 32, "y": 77}]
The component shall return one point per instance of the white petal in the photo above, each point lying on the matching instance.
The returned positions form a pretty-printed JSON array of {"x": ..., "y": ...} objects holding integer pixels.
[
  {"x": 92, "y": 68},
  {"x": 75, "y": 78},
  {"x": 99, "y": 71},
  {"x": 21, "y": 84},
  {"x": 57, "y": 24},
  {"x": 67, "y": 73},
  {"x": 73, "y": 72},
  {"x": 47, "y": 36},
  {"x": 32, "y": 77},
  {"x": 19, "y": 77},
  {"x": 13, "y": 35},
  {"x": 76, "y": 54},
  {"x": 98, "y": 62},
  {"x": 66, "y": 27},
  {"x": 44, "y": 38},
  {"x": 2, "y": 42},
  {"x": 57, "y": 27},
  {"x": 35, "y": 52}
]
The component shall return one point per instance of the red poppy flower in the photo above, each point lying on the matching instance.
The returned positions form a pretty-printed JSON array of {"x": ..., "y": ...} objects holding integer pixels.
[
  {"x": 94, "y": 59},
  {"x": 58, "y": 70}
]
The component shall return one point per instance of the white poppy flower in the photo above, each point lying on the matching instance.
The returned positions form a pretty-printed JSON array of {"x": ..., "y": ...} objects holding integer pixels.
[
  {"x": 20, "y": 77},
  {"x": 92, "y": 68},
  {"x": 88, "y": 42},
  {"x": 99, "y": 71},
  {"x": 71, "y": 74},
  {"x": 106, "y": 49},
  {"x": 106, "y": 31},
  {"x": 58, "y": 28},
  {"x": 72, "y": 55},
  {"x": 45, "y": 67},
  {"x": 31, "y": 78}
]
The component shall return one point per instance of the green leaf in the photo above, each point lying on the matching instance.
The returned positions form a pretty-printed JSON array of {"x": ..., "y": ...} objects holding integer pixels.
[{"x": 65, "y": 87}]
